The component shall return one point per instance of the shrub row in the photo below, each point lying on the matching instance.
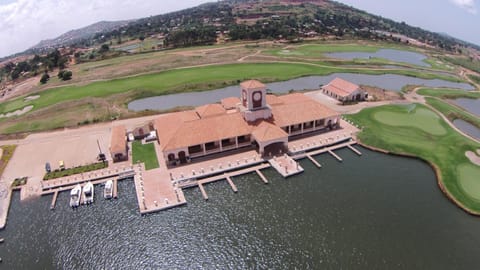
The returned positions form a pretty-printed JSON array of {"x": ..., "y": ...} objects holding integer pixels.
[
  {"x": 19, "y": 181},
  {"x": 76, "y": 170}
]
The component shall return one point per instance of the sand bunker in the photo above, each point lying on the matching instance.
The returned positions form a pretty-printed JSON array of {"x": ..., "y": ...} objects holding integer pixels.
[
  {"x": 473, "y": 157},
  {"x": 17, "y": 112},
  {"x": 31, "y": 98}
]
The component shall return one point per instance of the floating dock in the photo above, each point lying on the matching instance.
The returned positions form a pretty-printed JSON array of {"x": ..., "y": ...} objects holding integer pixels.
[
  {"x": 314, "y": 161},
  {"x": 354, "y": 150},
  {"x": 335, "y": 155},
  {"x": 204, "y": 193},
  {"x": 54, "y": 200},
  {"x": 260, "y": 174},
  {"x": 115, "y": 188},
  {"x": 229, "y": 180}
]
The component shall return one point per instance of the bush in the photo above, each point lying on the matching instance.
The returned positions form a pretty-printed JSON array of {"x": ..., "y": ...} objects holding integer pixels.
[
  {"x": 19, "y": 182},
  {"x": 45, "y": 78},
  {"x": 65, "y": 75}
]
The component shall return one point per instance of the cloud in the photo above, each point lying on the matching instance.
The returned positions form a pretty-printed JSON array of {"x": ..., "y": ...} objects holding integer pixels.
[
  {"x": 23, "y": 23},
  {"x": 468, "y": 5}
]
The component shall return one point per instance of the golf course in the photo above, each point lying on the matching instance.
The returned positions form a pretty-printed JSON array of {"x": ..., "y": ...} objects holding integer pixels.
[{"x": 415, "y": 130}]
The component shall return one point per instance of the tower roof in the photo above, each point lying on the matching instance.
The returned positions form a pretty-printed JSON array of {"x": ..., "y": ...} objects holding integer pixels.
[{"x": 252, "y": 84}]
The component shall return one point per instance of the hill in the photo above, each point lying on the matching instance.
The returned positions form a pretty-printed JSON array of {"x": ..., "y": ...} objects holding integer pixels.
[
  {"x": 78, "y": 35},
  {"x": 253, "y": 19}
]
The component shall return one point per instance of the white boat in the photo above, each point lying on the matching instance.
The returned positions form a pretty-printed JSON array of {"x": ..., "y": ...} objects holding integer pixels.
[
  {"x": 108, "y": 191},
  {"x": 88, "y": 193},
  {"x": 75, "y": 196}
]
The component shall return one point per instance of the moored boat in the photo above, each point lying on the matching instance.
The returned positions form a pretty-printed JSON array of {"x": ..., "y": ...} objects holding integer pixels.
[
  {"x": 75, "y": 196},
  {"x": 88, "y": 193},
  {"x": 108, "y": 191}
]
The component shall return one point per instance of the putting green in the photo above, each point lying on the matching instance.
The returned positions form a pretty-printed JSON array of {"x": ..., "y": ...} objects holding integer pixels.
[
  {"x": 421, "y": 118},
  {"x": 469, "y": 180}
]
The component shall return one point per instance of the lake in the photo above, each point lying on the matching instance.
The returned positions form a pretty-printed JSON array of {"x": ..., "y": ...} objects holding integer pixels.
[
  {"x": 471, "y": 105},
  {"x": 389, "y": 54},
  {"x": 386, "y": 81},
  {"x": 370, "y": 212},
  {"x": 468, "y": 128}
]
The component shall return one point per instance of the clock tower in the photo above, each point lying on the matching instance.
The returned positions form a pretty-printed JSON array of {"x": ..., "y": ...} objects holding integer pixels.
[{"x": 254, "y": 101}]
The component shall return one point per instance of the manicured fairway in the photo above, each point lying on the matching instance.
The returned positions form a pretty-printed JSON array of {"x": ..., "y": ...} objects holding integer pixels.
[
  {"x": 423, "y": 134},
  {"x": 423, "y": 119},
  {"x": 469, "y": 176},
  {"x": 315, "y": 50},
  {"x": 145, "y": 153},
  {"x": 191, "y": 79}
]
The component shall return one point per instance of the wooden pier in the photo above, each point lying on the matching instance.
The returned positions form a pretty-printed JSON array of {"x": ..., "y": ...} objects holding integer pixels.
[
  {"x": 54, "y": 200},
  {"x": 115, "y": 188},
  {"x": 314, "y": 161},
  {"x": 260, "y": 174},
  {"x": 335, "y": 155},
  {"x": 204, "y": 193},
  {"x": 229, "y": 180},
  {"x": 354, "y": 150}
]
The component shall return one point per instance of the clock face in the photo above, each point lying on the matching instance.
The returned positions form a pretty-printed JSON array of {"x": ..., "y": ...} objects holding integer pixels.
[{"x": 257, "y": 96}]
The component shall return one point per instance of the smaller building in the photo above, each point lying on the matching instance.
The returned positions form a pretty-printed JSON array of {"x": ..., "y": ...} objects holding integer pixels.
[
  {"x": 344, "y": 91},
  {"x": 118, "y": 144},
  {"x": 143, "y": 131}
]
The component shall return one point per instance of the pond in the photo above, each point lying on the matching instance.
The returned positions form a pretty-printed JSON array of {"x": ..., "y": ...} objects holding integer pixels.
[
  {"x": 386, "y": 81},
  {"x": 370, "y": 212},
  {"x": 471, "y": 105},
  {"x": 389, "y": 54},
  {"x": 467, "y": 128}
]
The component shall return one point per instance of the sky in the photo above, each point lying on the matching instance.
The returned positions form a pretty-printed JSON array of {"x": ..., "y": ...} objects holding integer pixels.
[{"x": 23, "y": 23}]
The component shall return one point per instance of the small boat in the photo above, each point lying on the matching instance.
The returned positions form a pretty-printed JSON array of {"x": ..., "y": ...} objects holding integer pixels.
[
  {"x": 75, "y": 196},
  {"x": 108, "y": 191},
  {"x": 88, "y": 193}
]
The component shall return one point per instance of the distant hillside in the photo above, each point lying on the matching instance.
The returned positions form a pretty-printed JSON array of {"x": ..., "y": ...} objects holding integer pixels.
[
  {"x": 226, "y": 20},
  {"x": 75, "y": 36}
]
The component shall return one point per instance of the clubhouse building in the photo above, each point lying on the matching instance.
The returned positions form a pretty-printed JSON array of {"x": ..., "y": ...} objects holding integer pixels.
[
  {"x": 266, "y": 122},
  {"x": 344, "y": 91}
]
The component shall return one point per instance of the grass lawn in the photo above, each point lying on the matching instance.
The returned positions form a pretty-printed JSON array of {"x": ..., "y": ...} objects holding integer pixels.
[
  {"x": 6, "y": 156},
  {"x": 191, "y": 79},
  {"x": 453, "y": 112},
  {"x": 317, "y": 50},
  {"x": 145, "y": 153},
  {"x": 448, "y": 93},
  {"x": 415, "y": 130}
]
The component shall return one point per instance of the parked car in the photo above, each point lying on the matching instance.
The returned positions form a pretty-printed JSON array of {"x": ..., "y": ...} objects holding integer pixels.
[
  {"x": 48, "y": 168},
  {"x": 131, "y": 138},
  {"x": 61, "y": 165}
]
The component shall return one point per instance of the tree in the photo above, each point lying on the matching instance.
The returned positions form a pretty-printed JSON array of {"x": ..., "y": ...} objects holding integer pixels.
[
  {"x": 104, "y": 48},
  {"x": 65, "y": 75},
  {"x": 45, "y": 78}
]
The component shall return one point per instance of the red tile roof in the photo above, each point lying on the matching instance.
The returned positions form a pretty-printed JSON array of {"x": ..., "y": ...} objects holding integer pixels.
[
  {"x": 166, "y": 125},
  {"x": 341, "y": 87},
  {"x": 230, "y": 103},
  {"x": 210, "y": 110},
  {"x": 274, "y": 100},
  {"x": 118, "y": 144},
  {"x": 297, "y": 111},
  {"x": 207, "y": 130},
  {"x": 252, "y": 84},
  {"x": 266, "y": 131}
]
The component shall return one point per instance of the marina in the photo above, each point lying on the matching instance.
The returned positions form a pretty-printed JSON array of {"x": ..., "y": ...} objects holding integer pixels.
[{"x": 282, "y": 216}]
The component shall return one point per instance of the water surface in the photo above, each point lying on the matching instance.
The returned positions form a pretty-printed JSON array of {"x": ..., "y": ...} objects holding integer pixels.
[
  {"x": 471, "y": 105},
  {"x": 389, "y": 54},
  {"x": 369, "y": 212},
  {"x": 467, "y": 128},
  {"x": 386, "y": 81}
]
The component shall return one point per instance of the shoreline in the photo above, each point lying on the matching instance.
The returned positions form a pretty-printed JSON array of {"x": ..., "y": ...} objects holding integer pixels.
[{"x": 436, "y": 169}]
